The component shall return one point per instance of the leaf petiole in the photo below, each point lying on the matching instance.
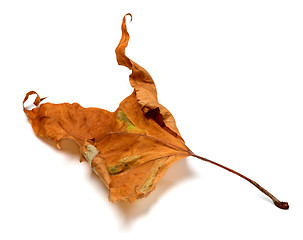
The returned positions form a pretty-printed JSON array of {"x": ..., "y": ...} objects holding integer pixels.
[{"x": 278, "y": 203}]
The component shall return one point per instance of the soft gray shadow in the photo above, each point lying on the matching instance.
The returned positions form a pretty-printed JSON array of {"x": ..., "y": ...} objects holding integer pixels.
[
  {"x": 178, "y": 172},
  {"x": 72, "y": 151},
  {"x": 267, "y": 199}
]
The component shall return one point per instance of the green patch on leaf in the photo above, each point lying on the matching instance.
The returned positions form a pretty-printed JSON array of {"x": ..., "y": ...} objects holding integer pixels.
[
  {"x": 125, "y": 120},
  {"x": 149, "y": 181},
  {"x": 90, "y": 153},
  {"x": 123, "y": 164}
]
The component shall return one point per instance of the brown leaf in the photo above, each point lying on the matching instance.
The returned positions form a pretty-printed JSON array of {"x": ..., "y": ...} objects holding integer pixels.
[{"x": 129, "y": 149}]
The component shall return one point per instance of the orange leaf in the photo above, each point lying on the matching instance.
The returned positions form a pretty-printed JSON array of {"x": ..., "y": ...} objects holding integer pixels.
[{"x": 129, "y": 149}]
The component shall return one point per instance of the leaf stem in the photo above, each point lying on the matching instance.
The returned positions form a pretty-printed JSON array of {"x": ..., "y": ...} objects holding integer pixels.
[{"x": 278, "y": 203}]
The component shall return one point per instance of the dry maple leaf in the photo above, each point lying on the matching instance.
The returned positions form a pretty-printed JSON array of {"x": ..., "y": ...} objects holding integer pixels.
[{"x": 129, "y": 149}]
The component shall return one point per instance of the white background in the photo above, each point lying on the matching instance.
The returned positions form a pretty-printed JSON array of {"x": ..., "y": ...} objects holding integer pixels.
[{"x": 229, "y": 71}]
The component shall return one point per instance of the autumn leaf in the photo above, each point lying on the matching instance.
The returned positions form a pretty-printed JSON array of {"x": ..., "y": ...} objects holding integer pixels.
[{"x": 129, "y": 149}]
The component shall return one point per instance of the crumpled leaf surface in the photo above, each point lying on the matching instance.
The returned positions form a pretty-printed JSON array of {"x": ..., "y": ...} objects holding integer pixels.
[{"x": 129, "y": 149}]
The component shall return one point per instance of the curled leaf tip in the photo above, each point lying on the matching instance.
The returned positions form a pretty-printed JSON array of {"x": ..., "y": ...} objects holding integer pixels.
[
  {"x": 128, "y": 14},
  {"x": 36, "y": 101}
]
